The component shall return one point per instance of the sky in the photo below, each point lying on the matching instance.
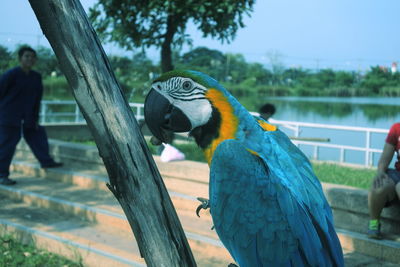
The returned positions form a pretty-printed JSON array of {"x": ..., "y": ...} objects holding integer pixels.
[{"x": 314, "y": 34}]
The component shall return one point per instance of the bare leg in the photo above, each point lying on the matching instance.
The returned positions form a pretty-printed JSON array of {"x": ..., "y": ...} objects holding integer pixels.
[
  {"x": 377, "y": 198},
  {"x": 398, "y": 190}
]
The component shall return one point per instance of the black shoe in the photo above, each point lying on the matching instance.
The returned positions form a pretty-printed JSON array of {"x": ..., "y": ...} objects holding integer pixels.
[
  {"x": 52, "y": 165},
  {"x": 7, "y": 181}
]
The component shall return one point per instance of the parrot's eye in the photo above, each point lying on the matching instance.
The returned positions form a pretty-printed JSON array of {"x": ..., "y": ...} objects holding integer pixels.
[{"x": 186, "y": 85}]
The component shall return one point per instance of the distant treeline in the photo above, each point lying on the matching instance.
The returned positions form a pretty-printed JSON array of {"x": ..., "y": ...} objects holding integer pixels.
[{"x": 240, "y": 77}]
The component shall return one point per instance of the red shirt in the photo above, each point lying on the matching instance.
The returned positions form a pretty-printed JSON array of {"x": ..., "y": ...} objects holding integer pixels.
[{"x": 393, "y": 138}]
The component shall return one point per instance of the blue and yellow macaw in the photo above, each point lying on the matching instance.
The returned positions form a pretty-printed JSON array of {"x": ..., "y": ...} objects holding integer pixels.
[{"x": 266, "y": 203}]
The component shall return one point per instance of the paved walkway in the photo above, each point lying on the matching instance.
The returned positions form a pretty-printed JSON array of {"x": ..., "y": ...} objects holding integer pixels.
[{"x": 354, "y": 259}]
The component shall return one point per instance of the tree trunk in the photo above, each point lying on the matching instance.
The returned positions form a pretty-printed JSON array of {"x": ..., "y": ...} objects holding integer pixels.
[
  {"x": 166, "y": 53},
  {"x": 166, "y": 58},
  {"x": 134, "y": 177}
]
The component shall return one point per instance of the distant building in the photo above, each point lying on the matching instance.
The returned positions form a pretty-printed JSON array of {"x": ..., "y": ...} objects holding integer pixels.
[{"x": 394, "y": 67}]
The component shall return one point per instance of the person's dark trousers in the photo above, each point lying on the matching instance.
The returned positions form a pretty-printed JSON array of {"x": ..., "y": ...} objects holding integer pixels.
[
  {"x": 9, "y": 138},
  {"x": 36, "y": 138}
]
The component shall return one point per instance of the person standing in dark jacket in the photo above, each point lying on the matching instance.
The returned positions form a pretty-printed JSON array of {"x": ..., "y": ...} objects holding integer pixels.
[{"x": 21, "y": 91}]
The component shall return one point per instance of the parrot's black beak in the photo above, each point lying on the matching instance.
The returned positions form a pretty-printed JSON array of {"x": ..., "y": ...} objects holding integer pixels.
[{"x": 162, "y": 118}]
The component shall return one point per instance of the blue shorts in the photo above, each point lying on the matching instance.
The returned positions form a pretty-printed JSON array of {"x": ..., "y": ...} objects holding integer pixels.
[{"x": 394, "y": 175}]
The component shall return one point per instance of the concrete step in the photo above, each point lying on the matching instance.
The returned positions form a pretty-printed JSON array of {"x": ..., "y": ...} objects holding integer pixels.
[
  {"x": 387, "y": 250},
  {"x": 71, "y": 237},
  {"x": 99, "y": 208},
  {"x": 356, "y": 259},
  {"x": 97, "y": 179},
  {"x": 93, "y": 205},
  {"x": 78, "y": 156},
  {"x": 185, "y": 180},
  {"x": 183, "y": 193},
  {"x": 73, "y": 196},
  {"x": 93, "y": 245},
  {"x": 83, "y": 241},
  {"x": 350, "y": 209},
  {"x": 72, "y": 154}
]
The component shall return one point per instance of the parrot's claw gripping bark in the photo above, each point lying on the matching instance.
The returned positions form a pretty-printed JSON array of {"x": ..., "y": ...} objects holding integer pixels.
[
  {"x": 155, "y": 141},
  {"x": 205, "y": 204}
]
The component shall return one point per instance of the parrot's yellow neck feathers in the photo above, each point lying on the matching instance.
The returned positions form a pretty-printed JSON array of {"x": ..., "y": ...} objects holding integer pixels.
[
  {"x": 229, "y": 122},
  {"x": 266, "y": 126}
]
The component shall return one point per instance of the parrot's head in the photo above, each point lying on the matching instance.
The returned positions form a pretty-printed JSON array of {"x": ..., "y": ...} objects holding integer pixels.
[{"x": 189, "y": 101}]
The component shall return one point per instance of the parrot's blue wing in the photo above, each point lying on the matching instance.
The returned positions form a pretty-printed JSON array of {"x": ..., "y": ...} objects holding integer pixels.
[
  {"x": 292, "y": 166},
  {"x": 260, "y": 219}
]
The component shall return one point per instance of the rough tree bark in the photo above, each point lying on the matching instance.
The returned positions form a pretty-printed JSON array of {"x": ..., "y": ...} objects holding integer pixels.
[
  {"x": 134, "y": 177},
  {"x": 166, "y": 52}
]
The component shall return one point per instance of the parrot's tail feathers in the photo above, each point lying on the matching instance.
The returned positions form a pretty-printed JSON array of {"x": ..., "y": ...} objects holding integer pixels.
[
  {"x": 330, "y": 242},
  {"x": 336, "y": 248},
  {"x": 297, "y": 260}
]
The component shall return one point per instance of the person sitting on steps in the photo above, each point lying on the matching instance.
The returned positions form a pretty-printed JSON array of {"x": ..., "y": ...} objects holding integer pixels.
[{"x": 385, "y": 188}]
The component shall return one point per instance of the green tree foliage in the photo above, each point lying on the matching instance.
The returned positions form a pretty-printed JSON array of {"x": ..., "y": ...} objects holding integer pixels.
[
  {"x": 249, "y": 81},
  {"x": 293, "y": 76},
  {"x": 47, "y": 63},
  {"x": 261, "y": 75},
  {"x": 244, "y": 78},
  {"x": 326, "y": 78},
  {"x": 162, "y": 23},
  {"x": 134, "y": 74},
  {"x": 378, "y": 78},
  {"x": 345, "y": 79},
  {"x": 6, "y": 59},
  {"x": 205, "y": 60}
]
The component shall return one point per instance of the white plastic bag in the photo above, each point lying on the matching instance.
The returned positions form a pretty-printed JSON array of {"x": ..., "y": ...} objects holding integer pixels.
[{"x": 171, "y": 153}]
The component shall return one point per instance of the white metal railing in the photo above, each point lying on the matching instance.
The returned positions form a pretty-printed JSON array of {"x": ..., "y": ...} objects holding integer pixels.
[
  {"x": 138, "y": 107},
  {"x": 50, "y": 111},
  {"x": 368, "y": 151},
  {"x": 70, "y": 113},
  {"x": 49, "y": 114}
]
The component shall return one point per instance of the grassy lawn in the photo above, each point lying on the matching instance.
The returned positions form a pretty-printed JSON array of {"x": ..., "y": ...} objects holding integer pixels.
[
  {"x": 336, "y": 174},
  {"x": 15, "y": 254}
]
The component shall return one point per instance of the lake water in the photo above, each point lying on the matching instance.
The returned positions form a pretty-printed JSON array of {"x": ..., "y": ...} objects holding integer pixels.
[{"x": 370, "y": 112}]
